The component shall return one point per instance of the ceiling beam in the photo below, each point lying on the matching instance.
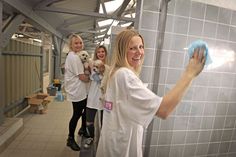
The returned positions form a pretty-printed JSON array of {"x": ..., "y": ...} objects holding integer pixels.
[
  {"x": 84, "y": 13},
  {"x": 72, "y": 21},
  {"x": 11, "y": 29},
  {"x": 122, "y": 7},
  {"x": 28, "y": 12},
  {"x": 45, "y": 3}
]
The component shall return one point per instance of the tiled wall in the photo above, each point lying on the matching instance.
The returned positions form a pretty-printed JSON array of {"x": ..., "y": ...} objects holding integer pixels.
[{"x": 204, "y": 124}]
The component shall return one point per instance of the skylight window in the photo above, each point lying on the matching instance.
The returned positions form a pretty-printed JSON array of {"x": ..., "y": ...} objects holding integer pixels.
[
  {"x": 105, "y": 22},
  {"x": 111, "y": 6}
]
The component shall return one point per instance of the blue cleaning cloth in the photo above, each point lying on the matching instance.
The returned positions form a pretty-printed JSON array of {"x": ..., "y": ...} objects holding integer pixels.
[{"x": 200, "y": 44}]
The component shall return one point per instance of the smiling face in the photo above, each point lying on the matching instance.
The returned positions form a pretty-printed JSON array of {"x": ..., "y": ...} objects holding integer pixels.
[
  {"x": 135, "y": 52},
  {"x": 101, "y": 54},
  {"x": 76, "y": 44}
]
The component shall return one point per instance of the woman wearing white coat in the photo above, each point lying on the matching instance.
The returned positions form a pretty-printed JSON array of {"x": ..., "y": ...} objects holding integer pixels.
[{"x": 129, "y": 105}]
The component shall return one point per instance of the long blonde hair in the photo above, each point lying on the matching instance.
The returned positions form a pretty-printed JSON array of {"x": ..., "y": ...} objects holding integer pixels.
[{"x": 119, "y": 58}]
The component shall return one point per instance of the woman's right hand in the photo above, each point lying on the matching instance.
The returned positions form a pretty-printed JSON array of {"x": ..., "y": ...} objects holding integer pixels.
[
  {"x": 196, "y": 63},
  {"x": 84, "y": 77}
]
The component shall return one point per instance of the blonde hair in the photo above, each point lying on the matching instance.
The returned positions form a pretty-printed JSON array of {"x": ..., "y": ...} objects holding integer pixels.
[
  {"x": 71, "y": 37},
  {"x": 95, "y": 57},
  {"x": 119, "y": 58}
]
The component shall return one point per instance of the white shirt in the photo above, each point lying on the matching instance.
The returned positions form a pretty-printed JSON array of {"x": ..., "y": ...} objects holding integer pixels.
[
  {"x": 132, "y": 107},
  {"x": 94, "y": 94},
  {"x": 74, "y": 87}
]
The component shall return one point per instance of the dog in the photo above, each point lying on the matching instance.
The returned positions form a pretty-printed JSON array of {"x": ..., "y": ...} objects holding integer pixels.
[
  {"x": 85, "y": 58},
  {"x": 98, "y": 69}
]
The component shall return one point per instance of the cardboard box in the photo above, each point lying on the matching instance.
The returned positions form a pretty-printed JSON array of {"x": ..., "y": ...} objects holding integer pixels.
[{"x": 39, "y": 102}]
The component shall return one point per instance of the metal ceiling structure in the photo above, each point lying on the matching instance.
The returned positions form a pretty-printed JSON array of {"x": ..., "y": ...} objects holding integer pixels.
[{"x": 29, "y": 18}]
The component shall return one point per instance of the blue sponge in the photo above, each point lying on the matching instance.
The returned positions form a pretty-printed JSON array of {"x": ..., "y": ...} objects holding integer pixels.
[{"x": 200, "y": 44}]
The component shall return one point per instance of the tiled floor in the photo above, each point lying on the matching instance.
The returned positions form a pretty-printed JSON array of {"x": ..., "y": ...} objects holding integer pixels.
[{"x": 44, "y": 135}]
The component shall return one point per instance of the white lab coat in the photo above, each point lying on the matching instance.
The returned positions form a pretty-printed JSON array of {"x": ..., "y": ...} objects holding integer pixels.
[
  {"x": 130, "y": 108},
  {"x": 74, "y": 87}
]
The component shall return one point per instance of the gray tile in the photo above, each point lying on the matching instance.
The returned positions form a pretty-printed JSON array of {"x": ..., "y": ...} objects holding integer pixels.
[
  {"x": 161, "y": 90},
  {"x": 176, "y": 151},
  {"x": 222, "y": 32},
  {"x": 201, "y": 149},
  {"x": 192, "y": 137},
  {"x": 224, "y": 15},
  {"x": 224, "y": 94},
  {"x": 183, "y": 109},
  {"x": 204, "y": 136},
  {"x": 173, "y": 75},
  {"x": 196, "y": 27},
  {"x": 209, "y": 29},
  {"x": 233, "y": 20},
  {"x": 180, "y": 25},
  {"x": 234, "y": 135},
  {"x": 194, "y": 123},
  {"x": 207, "y": 123},
  {"x": 202, "y": 79},
  {"x": 164, "y": 58},
  {"x": 211, "y": 13},
  {"x": 154, "y": 138},
  {"x": 232, "y": 147},
  {"x": 171, "y": 7},
  {"x": 167, "y": 124},
  {"x": 149, "y": 20},
  {"x": 181, "y": 123},
  {"x": 221, "y": 108},
  {"x": 230, "y": 121},
  {"x": 165, "y": 138},
  {"x": 232, "y": 34},
  {"x": 219, "y": 123},
  {"x": 198, "y": 10},
  {"x": 210, "y": 109},
  {"x": 167, "y": 41},
  {"x": 146, "y": 74},
  {"x": 227, "y": 80},
  {"x": 227, "y": 134},
  {"x": 215, "y": 79},
  {"x": 213, "y": 148},
  {"x": 163, "y": 151},
  {"x": 176, "y": 60},
  {"x": 232, "y": 109},
  {"x": 197, "y": 108},
  {"x": 200, "y": 94},
  {"x": 149, "y": 57},
  {"x": 216, "y": 135},
  {"x": 149, "y": 36},
  {"x": 152, "y": 151},
  {"x": 189, "y": 150},
  {"x": 169, "y": 23},
  {"x": 224, "y": 147},
  {"x": 152, "y": 5},
  {"x": 178, "y": 42},
  {"x": 212, "y": 94},
  {"x": 178, "y": 137},
  {"x": 162, "y": 76},
  {"x": 182, "y": 7}
]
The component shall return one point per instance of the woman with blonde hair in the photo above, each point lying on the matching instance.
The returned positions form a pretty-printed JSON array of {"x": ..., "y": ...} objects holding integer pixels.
[
  {"x": 75, "y": 87},
  {"x": 129, "y": 105}
]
